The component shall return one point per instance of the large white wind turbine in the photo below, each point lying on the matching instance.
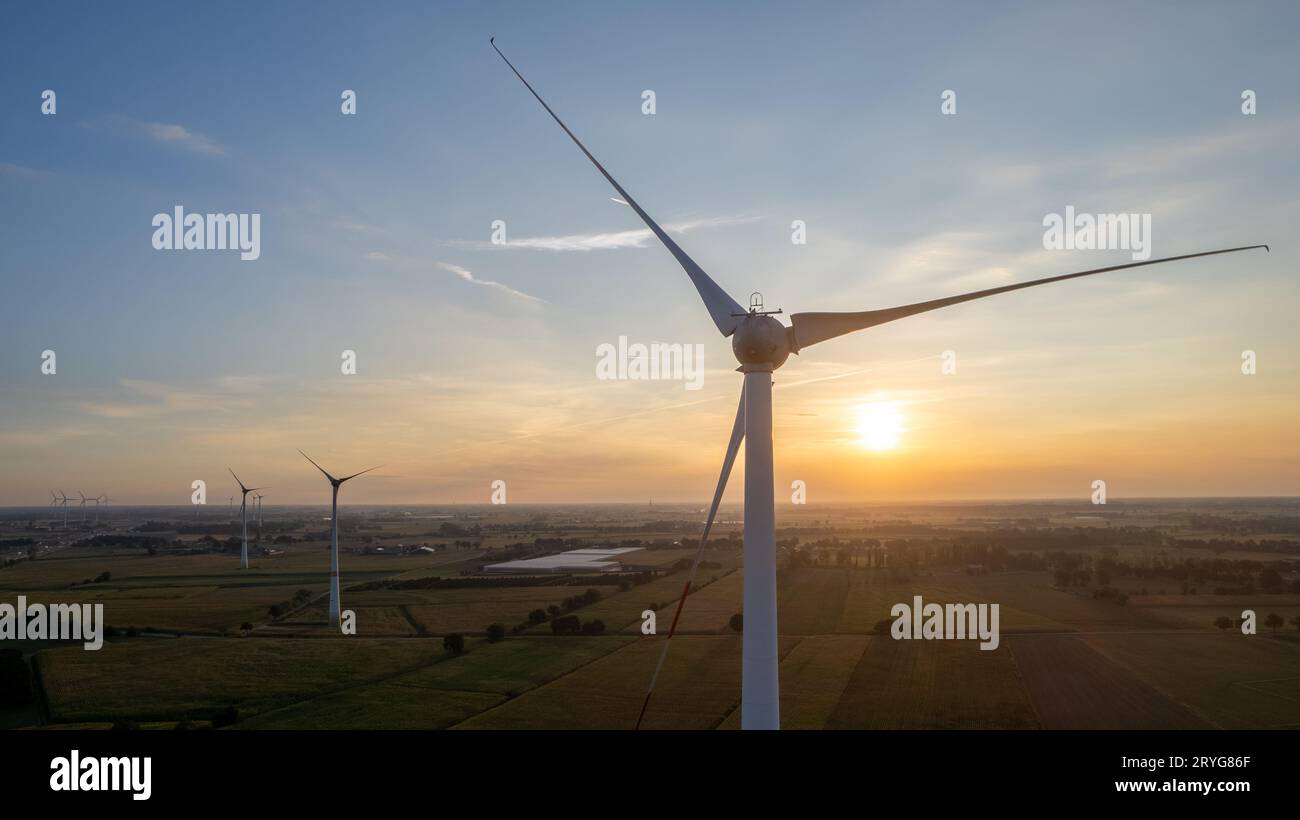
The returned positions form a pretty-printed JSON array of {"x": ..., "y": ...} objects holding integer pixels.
[
  {"x": 762, "y": 343},
  {"x": 335, "y": 483},
  {"x": 243, "y": 516}
]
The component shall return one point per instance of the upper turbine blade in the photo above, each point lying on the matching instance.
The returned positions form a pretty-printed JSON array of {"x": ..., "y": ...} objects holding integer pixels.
[
  {"x": 237, "y": 481},
  {"x": 363, "y": 472},
  {"x": 317, "y": 466},
  {"x": 720, "y": 305},
  {"x": 810, "y": 328}
]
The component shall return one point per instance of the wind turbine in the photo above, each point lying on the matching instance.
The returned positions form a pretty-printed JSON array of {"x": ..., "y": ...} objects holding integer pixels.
[
  {"x": 82, "y": 505},
  {"x": 259, "y": 518},
  {"x": 335, "y": 483},
  {"x": 761, "y": 344},
  {"x": 243, "y": 515},
  {"x": 63, "y": 502},
  {"x": 103, "y": 499}
]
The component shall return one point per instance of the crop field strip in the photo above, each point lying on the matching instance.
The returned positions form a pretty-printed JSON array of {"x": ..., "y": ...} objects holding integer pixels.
[{"x": 1129, "y": 666}]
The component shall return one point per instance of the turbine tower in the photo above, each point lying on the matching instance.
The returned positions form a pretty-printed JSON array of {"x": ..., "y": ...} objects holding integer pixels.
[
  {"x": 63, "y": 502},
  {"x": 761, "y": 343},
  {"x": 259, "y": 518},
  {"x": 335, "y": 483},
  {"x": 243, "y": 515}
]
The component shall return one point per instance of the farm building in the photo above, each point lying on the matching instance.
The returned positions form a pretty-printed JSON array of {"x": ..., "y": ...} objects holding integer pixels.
[{"x": 573, "y": 561}]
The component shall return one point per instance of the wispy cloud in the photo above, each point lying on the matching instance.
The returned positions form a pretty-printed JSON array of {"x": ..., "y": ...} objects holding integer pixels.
[
  {"x": 468, "y": 276},
  {"x": 166, "y": 133},
  {"x": 638, "y": 238},
  {"x": 23, "y": 171},
  {"x": 152, "y": 400}
]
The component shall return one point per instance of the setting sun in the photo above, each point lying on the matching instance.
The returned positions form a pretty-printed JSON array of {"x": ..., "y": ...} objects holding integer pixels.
[{"x": 880, "y": 425}]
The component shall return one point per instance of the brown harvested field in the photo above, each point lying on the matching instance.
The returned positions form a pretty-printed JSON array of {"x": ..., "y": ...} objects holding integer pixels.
[
  {"x": 814, "y": 676},
  {"x": 1234, "y": 681},
  {"x": 698, "y": 688},
  {"x": 379, "y": 706},
  {"x": 707, "y": 611},
  {"x": 933, "y": 685},
  {"x": 811, "y": 601},
  {"x": 1051, "y": 608},
  {"x": 1074, "y": 687}
]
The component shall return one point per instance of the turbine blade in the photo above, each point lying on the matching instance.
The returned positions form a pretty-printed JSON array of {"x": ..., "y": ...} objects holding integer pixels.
[
  {"x": 317, "y": 466},
  {"x": 363, "y": 472},
  {"x": 720, "y": 305},
  {"x": 810, "y": 328},
  {"x": 237, "y": 481},
  {"x": 737, "y": 435}
]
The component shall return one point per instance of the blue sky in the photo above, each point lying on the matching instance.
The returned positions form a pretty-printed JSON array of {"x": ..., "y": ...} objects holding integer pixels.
[{"x": 173, "y": 364}]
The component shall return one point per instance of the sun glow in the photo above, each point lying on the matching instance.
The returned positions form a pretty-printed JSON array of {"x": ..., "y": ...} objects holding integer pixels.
[{"x": 880, "y": 425}]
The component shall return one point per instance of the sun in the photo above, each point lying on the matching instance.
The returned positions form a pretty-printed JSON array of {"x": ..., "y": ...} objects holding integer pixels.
[{"x": 880, "y": 425}]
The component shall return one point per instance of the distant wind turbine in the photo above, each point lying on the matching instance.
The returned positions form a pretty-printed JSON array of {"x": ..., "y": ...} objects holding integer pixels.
[
  {"x": 761, "y": 344},
  {"x": 243, "y": 515},
  {"x": 335, "y": 483},
  {"x": 63, "y": 502}
]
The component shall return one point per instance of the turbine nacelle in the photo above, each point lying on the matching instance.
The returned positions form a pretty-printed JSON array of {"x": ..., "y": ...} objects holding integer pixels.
[{"x": 760, "y": 340}]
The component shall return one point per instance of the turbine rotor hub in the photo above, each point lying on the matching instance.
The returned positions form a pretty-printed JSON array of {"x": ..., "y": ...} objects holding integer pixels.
[{"x": 760, "y": 339}]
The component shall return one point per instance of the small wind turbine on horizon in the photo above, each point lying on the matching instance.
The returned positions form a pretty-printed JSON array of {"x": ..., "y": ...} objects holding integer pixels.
[
  {"x": 63, "y": 502},
  {"x": 335, "y": 483},
  {"x": 761, "y": 344},
  {"x": 243, "y": 515}
]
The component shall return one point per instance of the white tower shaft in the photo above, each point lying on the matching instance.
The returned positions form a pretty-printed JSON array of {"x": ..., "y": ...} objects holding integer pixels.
[
  {"x": 334, "y": 558},
  {"x": 759, "y": 683},
  {"x": 243, "y": 516}
]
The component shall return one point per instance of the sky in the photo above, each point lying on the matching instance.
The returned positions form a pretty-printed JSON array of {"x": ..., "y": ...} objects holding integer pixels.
[{"x": 476, "y": 362}]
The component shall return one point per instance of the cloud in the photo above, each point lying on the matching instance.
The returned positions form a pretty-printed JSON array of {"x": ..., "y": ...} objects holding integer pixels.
[
  {"x": 155, "y": 400},
  {"x": 638, "y": 238},
  {"x": 164, "y": 132},
  {"x": 472, "y": 279},
  {"x": 23, "y": 171},
  {"x": 41, "y": 438}
]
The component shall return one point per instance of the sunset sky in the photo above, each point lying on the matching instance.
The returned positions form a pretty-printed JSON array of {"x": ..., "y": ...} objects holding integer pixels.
[{"x": 477, "y": 362}]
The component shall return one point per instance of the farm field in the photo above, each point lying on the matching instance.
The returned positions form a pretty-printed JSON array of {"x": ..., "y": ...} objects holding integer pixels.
[
  {"x": 933, "y": 685},
  {"x": 1070, "y": 656},
  {"x": 1073, "y": 687},
  {"x": 1233, "y": 681}
]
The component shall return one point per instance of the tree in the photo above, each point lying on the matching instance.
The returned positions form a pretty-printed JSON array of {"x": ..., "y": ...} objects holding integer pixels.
[
  {"x": 1223, "y": 622},
  {"x": 537, "y": 616},
  {"x": 566, "y": 625},
  {"x": 454, "y": 643},
  {"x": 228, "y": 716},
  {"x": 246, "y": 627},
  {"x": 496, "y": 632},
  {"x": 1274, "y": 621},
  {"x": 737, "y": 622},
  {"x": 593, "y": 627},
  {"x": 15, "y": 680}
]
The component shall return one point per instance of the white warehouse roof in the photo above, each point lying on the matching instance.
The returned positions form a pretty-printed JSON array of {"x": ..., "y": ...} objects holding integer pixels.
[{"x": 582, "y": 560}]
